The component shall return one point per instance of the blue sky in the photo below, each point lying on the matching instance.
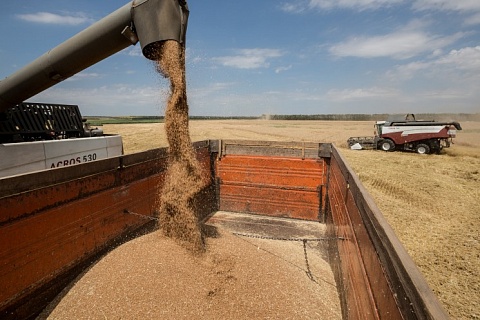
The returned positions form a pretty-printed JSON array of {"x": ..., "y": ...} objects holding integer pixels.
[{"x": 247, "y": 58}]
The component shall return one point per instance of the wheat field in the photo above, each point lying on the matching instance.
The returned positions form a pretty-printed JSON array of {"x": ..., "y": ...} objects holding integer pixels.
[{"x": 431, "y": 201}]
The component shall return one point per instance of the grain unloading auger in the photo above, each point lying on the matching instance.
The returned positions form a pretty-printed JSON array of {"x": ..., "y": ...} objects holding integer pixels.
[
  {"x": 37, "y": 136},
  {"x": 147, "y": 21}
]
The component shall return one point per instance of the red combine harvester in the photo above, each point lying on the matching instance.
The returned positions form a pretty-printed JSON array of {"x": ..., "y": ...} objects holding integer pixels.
[{"x": 421, "y": 136}]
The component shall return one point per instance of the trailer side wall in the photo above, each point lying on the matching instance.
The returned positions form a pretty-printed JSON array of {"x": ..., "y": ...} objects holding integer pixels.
[
  {"x": 379, "y": 279},
  {"x": 52, "y": 225}
]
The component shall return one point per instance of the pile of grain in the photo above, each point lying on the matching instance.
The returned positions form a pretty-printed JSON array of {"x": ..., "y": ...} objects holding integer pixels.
[{"x": 153, "y": 277}]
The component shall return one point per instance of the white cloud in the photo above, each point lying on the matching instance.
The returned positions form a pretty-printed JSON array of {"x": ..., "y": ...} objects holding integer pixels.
[
  {"x": 462, "y": 6},
  {"x": 473, "y": 20},
  {"x": 352, "y": 4},
  {"x": 447, "y": 5},
  {"x": 52, "y": 18},
  {"x": 84, "y": 75},
  {"x": 361, "y": 94},
  {"x": 133, "y": 51},
  {"x": 464, "y": 59},
  {"x": 462, "y": 62},
  {"x": 407, "y": 71},
  {"x": 293, "y": 7},
  {"x": 396, "y": 45},
  {"x": 437, "y": 52},
  {"x": 303, "y": 5},
  {"x": 450, "y": 93},
  {"x": 249, "y": 58},
  {"x": 117, "y": 99},
  {"x": 281, "y": 69},
  {"x": 208, "y": 91},
  {"x": 451, "y": 77},
  {"x": 402, "y": 44}
]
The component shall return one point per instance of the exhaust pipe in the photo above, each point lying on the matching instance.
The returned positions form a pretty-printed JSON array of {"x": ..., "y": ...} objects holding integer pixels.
[{"x": 147, "y": 21}]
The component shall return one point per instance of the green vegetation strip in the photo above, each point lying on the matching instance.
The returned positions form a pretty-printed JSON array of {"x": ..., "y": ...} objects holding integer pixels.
[{"x": 100, "y": 120}]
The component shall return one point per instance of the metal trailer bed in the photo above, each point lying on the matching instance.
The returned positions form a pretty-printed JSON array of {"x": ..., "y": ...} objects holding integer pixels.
[{"x": 54, "y": 223}]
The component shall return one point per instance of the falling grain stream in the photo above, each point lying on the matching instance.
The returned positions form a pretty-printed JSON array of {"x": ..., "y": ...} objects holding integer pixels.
[{"x": 184, "y": 176}]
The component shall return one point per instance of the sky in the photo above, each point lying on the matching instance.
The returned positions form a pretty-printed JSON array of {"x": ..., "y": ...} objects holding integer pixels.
[{"x": 251, "y": 57}]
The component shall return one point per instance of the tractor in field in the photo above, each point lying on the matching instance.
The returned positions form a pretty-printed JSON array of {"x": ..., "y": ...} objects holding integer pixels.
[{"x": 407, "y": 133}]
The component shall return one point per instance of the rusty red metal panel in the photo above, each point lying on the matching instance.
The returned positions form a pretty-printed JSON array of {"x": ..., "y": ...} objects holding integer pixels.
[
  {"x": 384, "y": 297},
  {"x": 378, "y": 277},
  {"x": 36, "y": 200},
  {"x": 394, "y": 283},
  {"x": 268, "y": 170},
  {"x": 355, "y": 291},
  {"x": 47, "y": 232},
  {"x": 35, "y": 249},
  {"x": 277, "y": 186},
  {"x": 268, "y": 200}
]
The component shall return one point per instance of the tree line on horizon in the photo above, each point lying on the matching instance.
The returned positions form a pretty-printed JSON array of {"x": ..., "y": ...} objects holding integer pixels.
[
  {"x": 375, "y": 117},
  {"x": 323, "y": 117}
]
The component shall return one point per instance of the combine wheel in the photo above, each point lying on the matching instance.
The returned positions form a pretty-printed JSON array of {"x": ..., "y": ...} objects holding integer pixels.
[
  {"x": 387, "y": 145},
  {"x": 422, "y": 148}
]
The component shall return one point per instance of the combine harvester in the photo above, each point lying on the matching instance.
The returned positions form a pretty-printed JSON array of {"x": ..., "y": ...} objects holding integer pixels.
[
  {"x": 35, "y": 136},
  {"x": 56, "y": 222},
  {"x": 408, "y": 134}
]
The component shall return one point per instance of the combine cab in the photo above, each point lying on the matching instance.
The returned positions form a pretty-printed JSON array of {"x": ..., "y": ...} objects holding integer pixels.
[{"x": 408, "y": 134}]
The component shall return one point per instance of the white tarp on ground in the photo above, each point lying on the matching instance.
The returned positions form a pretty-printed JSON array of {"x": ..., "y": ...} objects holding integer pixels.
[{"x": 356, "y": 146}]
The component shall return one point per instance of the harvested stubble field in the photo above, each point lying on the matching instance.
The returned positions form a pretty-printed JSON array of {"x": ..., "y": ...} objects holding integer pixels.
[{"x": 431, "y": 201}]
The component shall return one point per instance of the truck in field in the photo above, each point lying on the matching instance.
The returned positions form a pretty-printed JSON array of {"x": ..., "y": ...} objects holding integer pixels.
[{"x": 407, "y": 133}]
